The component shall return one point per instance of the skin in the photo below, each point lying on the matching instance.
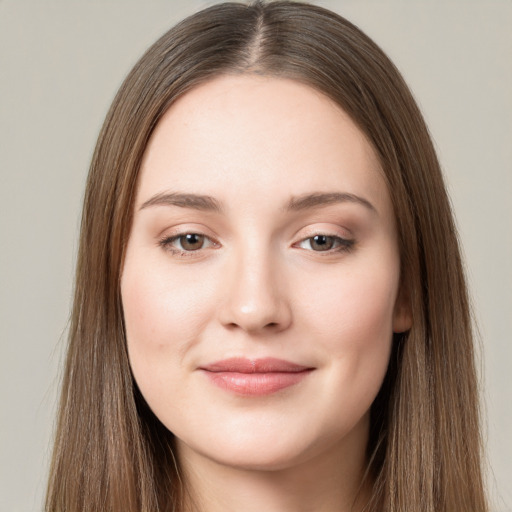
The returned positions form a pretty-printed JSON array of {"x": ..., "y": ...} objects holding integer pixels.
[{"x": 260, "y": 286}]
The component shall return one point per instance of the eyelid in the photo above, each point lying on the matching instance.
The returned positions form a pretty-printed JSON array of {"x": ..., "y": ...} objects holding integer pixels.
[
  {"x": 165, "y": 241},
  {"x": 343, "y": 243}
]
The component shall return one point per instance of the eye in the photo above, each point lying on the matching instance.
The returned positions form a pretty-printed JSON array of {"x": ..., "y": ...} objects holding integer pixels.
[
  {"x": 186, "y": 243},
  {"x": 324, "y": 243}
]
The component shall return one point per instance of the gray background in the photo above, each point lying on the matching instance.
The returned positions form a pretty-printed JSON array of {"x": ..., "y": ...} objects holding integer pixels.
[{"x": 60, "y": 65}]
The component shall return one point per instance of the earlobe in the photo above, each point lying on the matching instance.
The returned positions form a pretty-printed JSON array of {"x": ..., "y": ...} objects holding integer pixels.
[{"x": 402, "y": 314}]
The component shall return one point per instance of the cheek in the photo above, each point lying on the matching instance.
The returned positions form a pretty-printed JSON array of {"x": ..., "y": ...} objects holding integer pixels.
[
  {"x": 353, "y": 310},
  {"x": 352, "y": 322},
  {"x": 163, "y": 320},
  {"x": 158, "y": 304}
]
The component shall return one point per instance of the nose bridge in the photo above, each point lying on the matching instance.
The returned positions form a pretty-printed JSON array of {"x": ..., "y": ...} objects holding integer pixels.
[{"x": 254, "y": 298}]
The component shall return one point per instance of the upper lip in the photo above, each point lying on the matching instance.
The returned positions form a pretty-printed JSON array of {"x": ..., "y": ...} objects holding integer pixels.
[{"x": 263, "y": 365}]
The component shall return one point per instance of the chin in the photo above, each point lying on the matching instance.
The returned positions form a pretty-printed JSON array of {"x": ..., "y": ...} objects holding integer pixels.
[
  {"x": 275, "y": 449},
  {"x": 257, "y": 458}
]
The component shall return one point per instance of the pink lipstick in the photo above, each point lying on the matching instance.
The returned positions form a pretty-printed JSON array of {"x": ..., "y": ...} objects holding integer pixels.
[{"x": 255, "y": 377}]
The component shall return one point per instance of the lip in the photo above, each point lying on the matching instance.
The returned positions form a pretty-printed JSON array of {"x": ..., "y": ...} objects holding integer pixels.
[{"x": 255, "y": 377}]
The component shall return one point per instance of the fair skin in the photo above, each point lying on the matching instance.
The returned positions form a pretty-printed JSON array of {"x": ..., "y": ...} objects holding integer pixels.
[{"x": 292, "y": 256}]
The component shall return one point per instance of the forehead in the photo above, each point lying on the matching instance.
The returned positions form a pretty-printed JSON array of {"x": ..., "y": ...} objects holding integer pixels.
[{"x": 243, "y": 136}]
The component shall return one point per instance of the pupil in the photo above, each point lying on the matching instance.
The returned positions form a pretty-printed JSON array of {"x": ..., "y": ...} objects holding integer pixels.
[
  {"x": 322, "y": 242},
  {"x": 192, "y": 241}
]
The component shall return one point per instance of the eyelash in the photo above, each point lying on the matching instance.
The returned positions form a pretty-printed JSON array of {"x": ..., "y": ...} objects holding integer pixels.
[
  {"x": 341, "y": 244},
  {"x": 166, "y": 244}
]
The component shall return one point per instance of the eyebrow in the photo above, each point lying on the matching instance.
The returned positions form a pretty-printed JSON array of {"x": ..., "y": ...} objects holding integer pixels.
[
  {"x": 298, "y": 203},
  {"x": 194, "y": 201},
  {"x": 319, "y": 199}
]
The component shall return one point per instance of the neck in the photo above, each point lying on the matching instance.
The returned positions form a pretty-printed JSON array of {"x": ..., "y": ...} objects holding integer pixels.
[{"x": 327, "y": 482}]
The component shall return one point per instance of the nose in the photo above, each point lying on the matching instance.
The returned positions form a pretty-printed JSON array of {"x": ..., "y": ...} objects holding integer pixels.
[{"x": 255, "y": 298}]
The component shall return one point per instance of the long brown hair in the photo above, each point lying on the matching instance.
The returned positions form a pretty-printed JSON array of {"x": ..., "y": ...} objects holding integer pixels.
[{"x": 111, "y": 453}]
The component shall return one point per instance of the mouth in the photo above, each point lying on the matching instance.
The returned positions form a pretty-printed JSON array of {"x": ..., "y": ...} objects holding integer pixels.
[{"x": 255, "y": 377}]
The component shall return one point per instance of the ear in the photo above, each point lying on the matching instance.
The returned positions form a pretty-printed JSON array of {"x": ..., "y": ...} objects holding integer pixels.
[{"x": 402, "y": 313}]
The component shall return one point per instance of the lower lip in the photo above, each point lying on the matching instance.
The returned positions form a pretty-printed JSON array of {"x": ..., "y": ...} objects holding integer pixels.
[{"x": 256, "y": 384}]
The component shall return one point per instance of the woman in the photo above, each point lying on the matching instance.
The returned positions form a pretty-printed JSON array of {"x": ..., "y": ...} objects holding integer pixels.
[{"x": 270, "y": 308}]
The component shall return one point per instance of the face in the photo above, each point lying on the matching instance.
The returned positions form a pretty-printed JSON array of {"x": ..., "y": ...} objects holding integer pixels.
[{"x": 261, "y": 281}]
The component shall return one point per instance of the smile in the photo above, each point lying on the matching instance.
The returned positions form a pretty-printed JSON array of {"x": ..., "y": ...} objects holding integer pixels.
[{"x": 255, "y": 377}]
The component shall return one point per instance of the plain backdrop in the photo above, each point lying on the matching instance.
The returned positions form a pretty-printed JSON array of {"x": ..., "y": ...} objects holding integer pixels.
[{"x": 61, "y": 63}]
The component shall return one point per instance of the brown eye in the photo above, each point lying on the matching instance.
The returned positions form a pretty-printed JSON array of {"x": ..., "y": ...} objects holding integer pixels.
[
  {"x": 322, "y": 242},
  {"x": 326, "y": 243},
  {"x": 191, "y": 241},
  {"x": 187, "y": 244}
]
